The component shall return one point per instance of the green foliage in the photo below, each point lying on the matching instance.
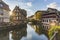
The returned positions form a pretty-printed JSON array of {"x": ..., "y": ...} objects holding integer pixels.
[
  {"x": 52, "y": 29},
  {"x": 38, "y": 15}
]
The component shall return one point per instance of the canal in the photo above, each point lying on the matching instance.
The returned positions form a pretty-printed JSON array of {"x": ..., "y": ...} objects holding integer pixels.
[{"x": 27, "y": 32}]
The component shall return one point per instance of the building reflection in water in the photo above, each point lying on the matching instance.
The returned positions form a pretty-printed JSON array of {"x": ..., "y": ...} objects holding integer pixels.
[
  {"x": 17, "y": 34},
  {"x": 39, "y": 31},
  {"x": 25, "y": 32},
  {"x": 14, "y": 34},
  {"x": 4, "y": 35},
  {"x": 37, "y": 28}
]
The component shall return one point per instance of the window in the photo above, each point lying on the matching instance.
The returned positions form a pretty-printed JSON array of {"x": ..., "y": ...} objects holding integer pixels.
[
  {"x": 17, "y": 10},
  {"x": 17, "y": 18},
  {"x": 47, "y": 20},
  {"x": 43, "y": 26},
  {"x": 1, "y": 5},
  {"x": 16, "y": 14},
  {"x": 43, "y": 20},
  {"x": 47, "y": 27},
  {"x": 1, "y": 13}
]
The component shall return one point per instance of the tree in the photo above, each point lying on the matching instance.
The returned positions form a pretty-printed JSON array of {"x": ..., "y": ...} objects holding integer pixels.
[{"x": 38, "y": 15}]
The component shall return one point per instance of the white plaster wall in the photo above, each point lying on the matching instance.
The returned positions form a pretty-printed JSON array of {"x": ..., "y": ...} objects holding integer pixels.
[
  {"x": 6, "y": 16},
  {"x": 46, "y": 25},
  {"x": 1, "y": 11}
]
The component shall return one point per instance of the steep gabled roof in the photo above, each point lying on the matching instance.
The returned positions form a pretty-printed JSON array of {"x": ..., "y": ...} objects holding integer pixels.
[
  {"x": 21, "y": 11},
  {"x": 51, "y": 9},
  {"x": 16, "y": 8},
  {"x": 3, "y": 5}
]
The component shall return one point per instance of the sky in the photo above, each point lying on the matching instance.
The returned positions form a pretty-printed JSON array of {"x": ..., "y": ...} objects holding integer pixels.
[{"x": 31, "y": 6}]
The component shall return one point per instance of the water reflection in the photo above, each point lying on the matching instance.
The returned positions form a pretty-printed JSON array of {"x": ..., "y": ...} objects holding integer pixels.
[
  {"x": 38, "y": 30},
  {"x": 4, "y": 35},
  {"x": 14, "y": 34},
  {"x": 26, "y": 32},
  {"x": 17, "y": 34},
  {"x": 34, "y": 35}
]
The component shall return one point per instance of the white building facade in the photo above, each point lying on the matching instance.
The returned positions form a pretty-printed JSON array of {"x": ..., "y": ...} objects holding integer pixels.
[
  {"x": 50, "y": 18},
  {"x": 4, "y": 12}
]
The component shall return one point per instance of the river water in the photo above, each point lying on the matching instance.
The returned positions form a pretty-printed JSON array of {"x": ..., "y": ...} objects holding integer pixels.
[{"x": 27, "y": 32}]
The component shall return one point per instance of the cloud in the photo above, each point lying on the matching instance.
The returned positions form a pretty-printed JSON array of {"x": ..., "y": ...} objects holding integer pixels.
[
  {"x": 29, "y": 4},
  {"x": 30, "y": 12},
  {"x": 52, "y": 5},
  {"x": 25, "y": 5},
  {"x": 58, "y": 8}
]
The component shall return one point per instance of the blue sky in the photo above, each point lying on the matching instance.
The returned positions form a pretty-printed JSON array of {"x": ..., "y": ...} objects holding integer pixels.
[{"x": 33, "y": 5}]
